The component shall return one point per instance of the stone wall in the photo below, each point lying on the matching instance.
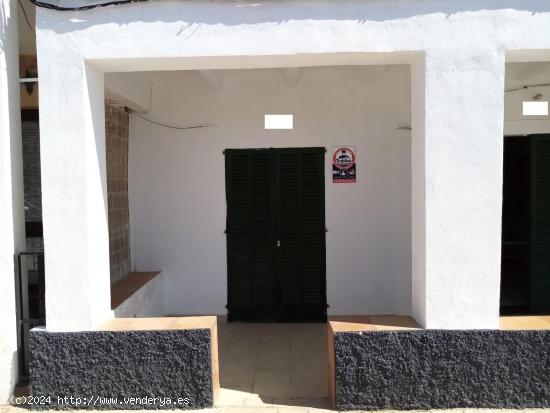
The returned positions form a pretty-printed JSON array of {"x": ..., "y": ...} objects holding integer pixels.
[
  {"x": 116, "y": 135},
  {"x": 441, "y": 369},
  {"x": 128, "y": 370}
]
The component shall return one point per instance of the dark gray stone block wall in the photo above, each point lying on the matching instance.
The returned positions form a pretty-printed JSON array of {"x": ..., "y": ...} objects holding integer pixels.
[
  {"x": 96, "y": 366},
  {"x": 430, "y": 369}
]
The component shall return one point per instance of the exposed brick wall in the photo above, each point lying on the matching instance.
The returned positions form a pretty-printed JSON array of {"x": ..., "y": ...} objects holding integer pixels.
[
  {"x": 31, "y": 170},
  {"x": 116, "y": 133},
  {"x": 31, "y": 179}
]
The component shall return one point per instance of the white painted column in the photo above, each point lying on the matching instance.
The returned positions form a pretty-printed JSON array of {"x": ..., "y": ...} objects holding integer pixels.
[
  {"x": 12, "y": 215},
  {"x": 458, "y": 111},
  {"x": 418, "y": 190},
  {"x": 74, "y": 190}
]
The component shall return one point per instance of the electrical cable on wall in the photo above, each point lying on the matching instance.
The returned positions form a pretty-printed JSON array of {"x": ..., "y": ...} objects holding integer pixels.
[
  {"x": 51, "y": 6},
  {"x": 26, "y": 17},
  {"x": 141, "y": 115},
  {"x": 167, "y": 126},
  {"x": 527, "y": 87}
]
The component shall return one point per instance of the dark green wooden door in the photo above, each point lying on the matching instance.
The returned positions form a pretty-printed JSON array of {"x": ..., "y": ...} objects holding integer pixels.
[
  {"x": 250, "y": 234},
  {"x": 300, "y": 227},
  {"x": 276, "y": 234},
  {"x": 540, "y": 224}
]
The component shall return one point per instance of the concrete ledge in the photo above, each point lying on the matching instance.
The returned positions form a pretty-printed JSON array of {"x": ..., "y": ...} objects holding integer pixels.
[
  {"x": 172, "y": 363},
  {"x": 427, "y": 369},
  {"x": 138, "y": 295}
]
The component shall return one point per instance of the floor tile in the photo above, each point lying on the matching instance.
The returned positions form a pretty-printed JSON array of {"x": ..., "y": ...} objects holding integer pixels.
[
  {"x": 237, "y": 378},
  {"x": 272, "y": 383},
  {"x": 274, "y": 355},
  {"x": 309, "y": 383},
  {"x": 243, "y": 409},
  {"x": 256, "y": 400},
  {"x": 233, "y": 397},
  {"x": 312, "y": 359},
  {"x": 304, "y": 403},
  {"x": 292, "y": 409},
  {"x": 261, "y": 364}
]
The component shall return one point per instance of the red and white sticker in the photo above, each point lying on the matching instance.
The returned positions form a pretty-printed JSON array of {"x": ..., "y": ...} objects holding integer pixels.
[{"x": 344, "y": 164}]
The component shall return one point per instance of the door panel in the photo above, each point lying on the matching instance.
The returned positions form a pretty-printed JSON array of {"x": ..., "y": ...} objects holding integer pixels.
[
  {"x": 250, "y": 234},
  {"x": 276, "y": 234},
  {"x": 516, "y": 226},
  {"x": 540, "y": 225},
  {"x": 301, "y": 293}
]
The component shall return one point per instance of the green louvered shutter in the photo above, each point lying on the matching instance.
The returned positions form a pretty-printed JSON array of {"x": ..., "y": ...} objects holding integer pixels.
[
  {"x": 300, "y": 206},
  {"x": 276, "y": 234},
  {"x": 540, "y": 224},
  {"x": 250, "y": 234}
]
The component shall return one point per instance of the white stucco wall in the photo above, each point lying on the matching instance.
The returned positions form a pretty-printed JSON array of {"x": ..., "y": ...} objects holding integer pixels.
[
  {"x": 74, "y": 199},
  {"x": 456, "y": 137},
  {"x": 177, "y": 178},
  {"x": 418, "y": 195},
  {"x": 463, "y": 160},
  {"x": 12, "y": 221}
]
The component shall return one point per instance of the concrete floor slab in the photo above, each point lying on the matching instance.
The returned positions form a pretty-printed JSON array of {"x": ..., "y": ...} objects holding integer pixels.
[{"x": 266, "y": 365}]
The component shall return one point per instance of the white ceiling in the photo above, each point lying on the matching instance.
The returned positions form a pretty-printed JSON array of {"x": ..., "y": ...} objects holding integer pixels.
[{"x": 523, "y": 74}]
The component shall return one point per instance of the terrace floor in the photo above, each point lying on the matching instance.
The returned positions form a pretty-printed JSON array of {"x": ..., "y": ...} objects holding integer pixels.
[{"x": 273, "y": 364}]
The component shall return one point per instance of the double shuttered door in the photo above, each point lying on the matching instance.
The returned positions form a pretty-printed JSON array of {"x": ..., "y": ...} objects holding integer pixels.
[
  {"x": 540, "y": 225},
  {"x": 525, "y": 270},
  {"x": 276, "y": 234}
]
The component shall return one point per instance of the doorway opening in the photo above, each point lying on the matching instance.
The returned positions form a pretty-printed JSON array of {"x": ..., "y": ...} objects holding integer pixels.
[
  {"x": 525, "y": 265},
  {"x": 276, "y": 235}
]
